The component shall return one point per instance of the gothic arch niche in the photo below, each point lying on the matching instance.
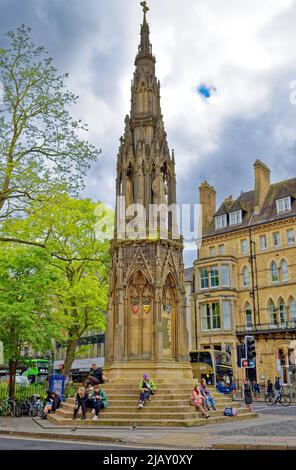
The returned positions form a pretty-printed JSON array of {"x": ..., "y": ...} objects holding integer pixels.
[
  {"x": 140, "y": 317},
  {"x": 169, "y": 309}
]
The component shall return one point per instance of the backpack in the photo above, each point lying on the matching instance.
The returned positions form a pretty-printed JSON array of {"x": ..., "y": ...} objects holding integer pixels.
[{"x": 230, "y": 411}]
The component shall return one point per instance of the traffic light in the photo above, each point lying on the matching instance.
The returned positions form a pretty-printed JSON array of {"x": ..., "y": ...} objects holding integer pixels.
[
  {"x": 250, "y": 347},
  {"x": 247, "y": 363},
  {"x": 240, "y": 353}
]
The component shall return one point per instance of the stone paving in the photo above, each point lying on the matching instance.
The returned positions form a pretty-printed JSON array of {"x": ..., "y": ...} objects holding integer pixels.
[
  {"x": 286, "y": 428},
  {"x": 270, "y": 432}
]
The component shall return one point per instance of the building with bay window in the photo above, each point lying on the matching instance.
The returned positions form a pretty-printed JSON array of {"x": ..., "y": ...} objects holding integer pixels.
[{"x": 244, "y": 279}]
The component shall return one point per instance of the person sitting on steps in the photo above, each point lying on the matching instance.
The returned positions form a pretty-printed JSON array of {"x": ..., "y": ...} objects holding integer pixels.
[
  {"x": 147, "y": 388},
  {"x": 197, "y": 400},
  {"x": 209, "y": 399},
  {"x": 95, "y": 377},
  {"x": 81, "y": 401},
  {"x": 89, "y": 391},
  {"x": 53, "y": 402},
  {"x": 99, "y": 400}
]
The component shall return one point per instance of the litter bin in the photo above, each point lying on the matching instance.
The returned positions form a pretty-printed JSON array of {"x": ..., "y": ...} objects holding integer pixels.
[{"x": 57, "y": 384}]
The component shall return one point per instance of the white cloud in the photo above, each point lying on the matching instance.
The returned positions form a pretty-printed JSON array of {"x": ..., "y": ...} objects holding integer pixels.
[{"x": 245, "y": 49}]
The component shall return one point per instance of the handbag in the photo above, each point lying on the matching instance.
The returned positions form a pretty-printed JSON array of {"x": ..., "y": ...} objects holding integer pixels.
[{"x": 228, "y": 411}]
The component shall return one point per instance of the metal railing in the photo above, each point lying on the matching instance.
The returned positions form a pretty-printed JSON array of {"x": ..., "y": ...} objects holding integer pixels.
[
  {"x": 23, "y": 392},
  {"x": 267, "y": 327}
]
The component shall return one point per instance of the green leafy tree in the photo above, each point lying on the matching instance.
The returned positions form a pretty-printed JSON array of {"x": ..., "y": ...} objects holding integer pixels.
[
  {"x": 41, "y": 153},
  {"x": 26, "y": 280},
  {"x": 77, "y": 233},
  {"x": 79, "y": 245}
]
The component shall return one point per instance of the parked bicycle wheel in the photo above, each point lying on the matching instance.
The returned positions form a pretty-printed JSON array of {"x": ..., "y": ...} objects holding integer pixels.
[
  {"x": 17, "y": 411},
  {"x": 285, "y": 400},
  {"x": 33, "y": 411},
  {"x": 269, "y": 400},
  {"x": 40, "y": 409}
]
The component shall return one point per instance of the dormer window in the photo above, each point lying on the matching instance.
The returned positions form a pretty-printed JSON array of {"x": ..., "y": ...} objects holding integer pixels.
[
  {"x": 235, "y": 218},
  {"x": 283, "y": 205},
  {"x": 220, "y": 221}
]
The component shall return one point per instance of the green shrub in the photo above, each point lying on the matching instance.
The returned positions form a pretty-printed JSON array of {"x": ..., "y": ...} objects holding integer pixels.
[{"x": 22, "y": 392}]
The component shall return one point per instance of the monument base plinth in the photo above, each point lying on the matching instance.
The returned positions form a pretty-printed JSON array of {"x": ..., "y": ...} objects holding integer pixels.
[{"x": 162, "y": 372}]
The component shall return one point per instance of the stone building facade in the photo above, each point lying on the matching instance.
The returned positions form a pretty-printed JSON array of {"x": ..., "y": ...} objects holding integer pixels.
[{"x": 244, "y": 280}]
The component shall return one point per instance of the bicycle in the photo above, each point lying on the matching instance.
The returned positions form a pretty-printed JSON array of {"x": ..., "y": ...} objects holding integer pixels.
[
  {"x": 283, "y": 399},
  {"x": 9, "y": 408},
  {"x": 36, "y": 408},
  {"x": 24, "y": 406}
]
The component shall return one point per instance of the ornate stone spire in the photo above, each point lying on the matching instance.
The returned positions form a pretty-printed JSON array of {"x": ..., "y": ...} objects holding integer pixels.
[
  {"x": 145, "y": 171},
  {"x": 146, "y": 321}
]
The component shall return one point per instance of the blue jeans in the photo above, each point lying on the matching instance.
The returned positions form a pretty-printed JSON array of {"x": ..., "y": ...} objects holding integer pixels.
[
  {"x": 209, "y": 401},
  {"x": 144, "y": 396},
  {"x": 97, "y": 406}
]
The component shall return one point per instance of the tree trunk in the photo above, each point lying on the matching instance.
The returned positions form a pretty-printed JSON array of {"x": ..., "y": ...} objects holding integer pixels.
[
  {"x": 12, "y": 369},
  {"x": 70, "y": 356}
]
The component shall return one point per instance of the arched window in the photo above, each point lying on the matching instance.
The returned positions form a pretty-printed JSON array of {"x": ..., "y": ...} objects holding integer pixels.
[
  {"x": 248, "y": 315},
  {"x": 246, "y": 276},
  {"x": 272, "y": 312},
  {"x": 284, "y": 270},
  {"x": 292, "y": 309},
  {"x": 274, "y": 272},
  {"x": 282, "y": 311}
]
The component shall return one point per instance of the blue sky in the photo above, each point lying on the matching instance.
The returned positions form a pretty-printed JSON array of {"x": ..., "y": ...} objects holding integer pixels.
[{"x": 245, "y": 50}]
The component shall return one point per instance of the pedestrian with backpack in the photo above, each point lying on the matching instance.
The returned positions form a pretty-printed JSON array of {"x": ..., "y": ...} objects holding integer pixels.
[{"x": 248, "y": 395}]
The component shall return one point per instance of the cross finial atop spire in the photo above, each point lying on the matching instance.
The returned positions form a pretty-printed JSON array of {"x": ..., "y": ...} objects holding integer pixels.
[
  {"x": 145, "y": 46},
  {"x": 145, "y": 8}
]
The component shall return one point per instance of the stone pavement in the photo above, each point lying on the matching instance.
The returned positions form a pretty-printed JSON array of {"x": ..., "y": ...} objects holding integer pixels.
[{"x": 206, "y": 437}]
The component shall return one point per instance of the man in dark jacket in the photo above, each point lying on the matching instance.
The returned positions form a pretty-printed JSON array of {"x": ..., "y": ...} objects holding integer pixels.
[{"x": 95, "y": 377}]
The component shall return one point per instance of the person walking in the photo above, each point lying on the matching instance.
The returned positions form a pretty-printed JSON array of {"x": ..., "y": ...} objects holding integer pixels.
[
  {"x": 256, "y": 389},
  {"x": 269, "y": 388},
  {"x": 81, "y": 401},
  {"x": 198, "y": 400},
  {"x": 147, "y": 388},
  {"x": 248, "y": 395},
  {"x": 209, "y": 399},
  {"x": 277, "y": 389}
]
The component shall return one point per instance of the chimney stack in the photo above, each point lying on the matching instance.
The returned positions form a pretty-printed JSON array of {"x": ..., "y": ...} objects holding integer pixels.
[
  {"x": 262, "y": 184},
  {"x": 207, "y": 199}
]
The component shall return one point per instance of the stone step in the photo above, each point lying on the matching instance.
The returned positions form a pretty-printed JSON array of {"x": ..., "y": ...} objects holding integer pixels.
[
  {"x": 158, "y": 393},
  {"x": 134, "y": 413},
  {"x": 154, "y": 405},
  {"x": 160, "y": 401},
  {"x": 157, "y": 380},
  {"x": 136, "y": 385},
  {"x": 140, "y": 422},
  {"x": 137, "y": 413},
  {"x": 164, "y": 388}
]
